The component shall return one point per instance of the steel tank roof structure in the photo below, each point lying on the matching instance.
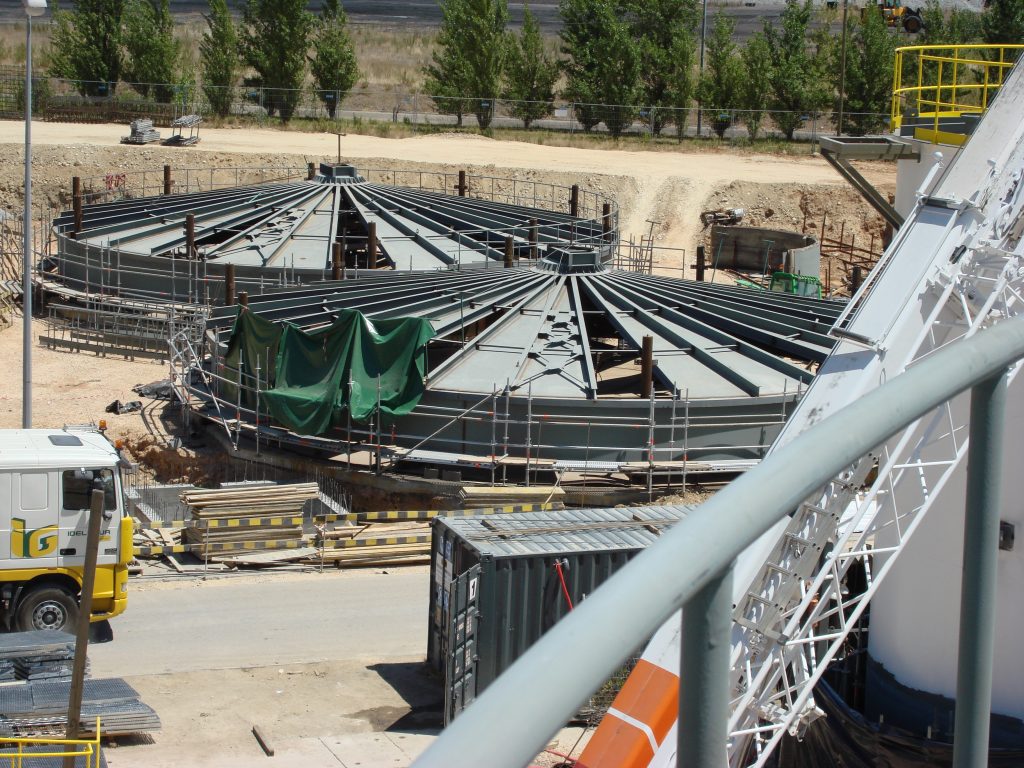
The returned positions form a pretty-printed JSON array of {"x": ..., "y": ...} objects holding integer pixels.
[
  {"x": 177, "y": 246},
  {"x": 539, "y": 368}
]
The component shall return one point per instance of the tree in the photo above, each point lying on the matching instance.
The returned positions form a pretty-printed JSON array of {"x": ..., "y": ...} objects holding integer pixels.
[
  {"x": 682, "y": 82},
  {"x": 530, "y": 74},
  {"x": 151, "y": 50},
  {"x": 603, "y": 71},
  {"x": 755, "y": 84},
  {"x": 664, "y": 30},
  {"x": 333, "y": 64},
  {"x": 720, "y": 83},
  {"x": 1003, "y": 22},
  {"x": 579, "y": 36},
  {"x": 274, "y": 41},
  {"x": 218, "y": 53},
  {"x": 798, "y": 84},
  {"x": 467, "y": 67},
  {"x": 86, "y": 46},
  {"x": 869, "y": 62}
]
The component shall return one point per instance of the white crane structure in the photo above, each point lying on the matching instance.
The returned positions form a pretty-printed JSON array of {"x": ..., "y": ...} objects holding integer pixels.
[{"x": 953, "y": 268}]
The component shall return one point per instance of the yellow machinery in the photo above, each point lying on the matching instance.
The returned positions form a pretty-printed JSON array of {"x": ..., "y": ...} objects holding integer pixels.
[
  {"x": 899, "y": 16},
  {"x": 940, "y": 91}
]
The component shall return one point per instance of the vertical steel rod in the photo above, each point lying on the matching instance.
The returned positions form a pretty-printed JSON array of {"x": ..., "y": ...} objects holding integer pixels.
[
  {"x": 704, "y": 677},
  {"x": 978, "y": 593},
  {"x": 26, "y": 226}
]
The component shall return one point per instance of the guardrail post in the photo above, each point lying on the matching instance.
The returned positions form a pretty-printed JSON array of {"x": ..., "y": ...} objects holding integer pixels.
[
  {"x": 978, "y": 591},
  {"x": 336, "y": 261},
  {"x": 371, "y": 245},
  {"x": 509, "y": 251},
  {"x": 574, "y": 200},
  {"x": 704, "y": 675},
  {"x": 461, "y": 186},
  {"x": 229, "y": 285},
  {"x": 76, "y": 202},
  {"x": 167, "y": 179},
  {"x": 700, "y": 263}
]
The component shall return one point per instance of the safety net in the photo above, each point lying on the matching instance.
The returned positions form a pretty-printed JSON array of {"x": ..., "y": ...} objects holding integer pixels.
[{"x": 353, "y": 364}]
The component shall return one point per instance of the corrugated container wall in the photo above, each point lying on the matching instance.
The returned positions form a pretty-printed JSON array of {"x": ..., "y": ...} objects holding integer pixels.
[{"x": 497, "y": 582}]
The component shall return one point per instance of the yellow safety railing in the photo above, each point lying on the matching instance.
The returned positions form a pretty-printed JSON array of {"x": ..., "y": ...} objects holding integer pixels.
[
  {"x": 28, "y": 752},
  {"x": 948, "y": 81}
]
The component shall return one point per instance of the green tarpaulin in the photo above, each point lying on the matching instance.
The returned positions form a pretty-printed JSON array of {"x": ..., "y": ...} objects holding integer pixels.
[{"x": 317, "y": 375}]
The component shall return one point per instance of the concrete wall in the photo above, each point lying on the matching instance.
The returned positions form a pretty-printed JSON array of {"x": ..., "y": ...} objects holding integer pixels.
[{"x": 743, "y": 249}]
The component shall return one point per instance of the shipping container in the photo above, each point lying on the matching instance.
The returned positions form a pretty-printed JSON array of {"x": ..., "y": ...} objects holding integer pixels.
[{"x": 499, "y": 582}]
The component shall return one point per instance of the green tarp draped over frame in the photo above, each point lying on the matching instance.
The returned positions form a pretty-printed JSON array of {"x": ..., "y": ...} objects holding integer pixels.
[{"x": 308, "y": 388}]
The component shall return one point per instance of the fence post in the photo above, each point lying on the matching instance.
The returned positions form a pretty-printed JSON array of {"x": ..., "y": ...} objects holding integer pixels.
[
  {"x": 76, "y": 202},
  {"x": 371, "y": 245},
  {"x": 229, "y": 285},
  {"x": 167, "y": 179},
  {"x": 700, "y": 263},
  {"x": 574, "y": 201},
  {"x": 981, "y": 559}
]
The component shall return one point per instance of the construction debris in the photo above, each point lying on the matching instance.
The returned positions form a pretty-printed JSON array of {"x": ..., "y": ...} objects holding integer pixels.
[
  {"x": 186, "y": 131},
  {"x": 142, "y": 133}
]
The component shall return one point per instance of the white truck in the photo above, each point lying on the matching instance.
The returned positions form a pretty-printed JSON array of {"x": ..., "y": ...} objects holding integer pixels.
[{"x": 46, "y": 480}]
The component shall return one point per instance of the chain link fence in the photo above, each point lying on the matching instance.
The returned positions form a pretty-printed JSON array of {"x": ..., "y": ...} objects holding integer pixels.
[{"x": 60, "y": 100}]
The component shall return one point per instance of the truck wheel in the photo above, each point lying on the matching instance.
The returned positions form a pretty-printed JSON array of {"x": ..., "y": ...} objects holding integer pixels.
[
  {"x": 47, "y": 608},
  {"x": 912, "y": 24}
]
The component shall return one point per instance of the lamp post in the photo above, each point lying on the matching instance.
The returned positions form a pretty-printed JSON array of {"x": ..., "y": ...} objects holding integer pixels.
[
  {"x": 703, "y": 34},
  {"x": 32, "y": 8},
  {"x": 842, "y": 74}
]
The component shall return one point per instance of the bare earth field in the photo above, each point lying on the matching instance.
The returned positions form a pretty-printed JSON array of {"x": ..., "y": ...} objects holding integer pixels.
[{"x": 667, "y": 187}]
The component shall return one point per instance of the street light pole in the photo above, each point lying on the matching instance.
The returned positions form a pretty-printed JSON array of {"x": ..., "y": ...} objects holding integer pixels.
[
  {"x": 842, "y": 73},
  {"x": 32, "y": 8},
  {"x": 703, "y": 34}
]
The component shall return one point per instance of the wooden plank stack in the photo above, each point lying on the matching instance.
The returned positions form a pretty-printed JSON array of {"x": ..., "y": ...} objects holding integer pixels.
[
  {"x": 239, "y": 514},
  {"x": 472, "y": 496}
]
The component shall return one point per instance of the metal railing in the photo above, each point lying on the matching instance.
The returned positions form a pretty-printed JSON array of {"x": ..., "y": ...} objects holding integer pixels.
[
  {"x": 947, "y": 81},
  {"x": 695, "y": 560},
  {"x": 41, "y": 751}
]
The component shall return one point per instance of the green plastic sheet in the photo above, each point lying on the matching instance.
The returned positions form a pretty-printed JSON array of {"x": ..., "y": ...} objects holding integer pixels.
[{"x": 318, "y": 375}]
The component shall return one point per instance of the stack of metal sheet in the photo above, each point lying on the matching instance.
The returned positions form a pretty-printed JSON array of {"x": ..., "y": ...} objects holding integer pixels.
[
  {"x": 142, "y": 133},
  {"x": 37, "y": 655},
  {"x": 43, "y": 706}
]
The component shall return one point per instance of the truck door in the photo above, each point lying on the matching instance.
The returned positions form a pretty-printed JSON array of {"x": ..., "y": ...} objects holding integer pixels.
[
  {"x": 31, "y": 535},
  {"x": 76, "y": 495}
]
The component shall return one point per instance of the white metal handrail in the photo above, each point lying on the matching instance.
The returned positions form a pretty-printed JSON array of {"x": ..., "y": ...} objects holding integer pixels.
[{"x": 516, "y": 716}]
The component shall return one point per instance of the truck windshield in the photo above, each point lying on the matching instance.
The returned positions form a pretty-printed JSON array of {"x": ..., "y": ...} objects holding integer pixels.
[{"x": 77, "y": 486}]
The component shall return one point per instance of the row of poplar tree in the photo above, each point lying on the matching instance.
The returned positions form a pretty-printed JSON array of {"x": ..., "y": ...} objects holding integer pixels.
[{"x": 613, "y": 55}]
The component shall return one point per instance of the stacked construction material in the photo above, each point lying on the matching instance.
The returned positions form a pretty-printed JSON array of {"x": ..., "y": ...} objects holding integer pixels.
[
  {"x": 42, "y": 707},
  {"x": 180, "y": 125},
  {"x": 142, "y": 133},
  {"x": 472, "y": 497},
  {"x": 266, "y": 514},
  {"x": 38, "y": 655}
]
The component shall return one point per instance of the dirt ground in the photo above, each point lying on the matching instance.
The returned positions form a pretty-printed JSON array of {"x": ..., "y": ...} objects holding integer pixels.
[{"x": 668, "y": 188}]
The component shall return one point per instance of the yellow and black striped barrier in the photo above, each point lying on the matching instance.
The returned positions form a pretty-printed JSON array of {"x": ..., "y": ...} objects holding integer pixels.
[
  {"x": 410, "y": 515},
  {"x": 248, "y": 546},
  {"x": 227, "y": 522}
]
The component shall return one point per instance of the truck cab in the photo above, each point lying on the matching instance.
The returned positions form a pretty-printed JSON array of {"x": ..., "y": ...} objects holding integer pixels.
[{"x": 46, "y": 480}]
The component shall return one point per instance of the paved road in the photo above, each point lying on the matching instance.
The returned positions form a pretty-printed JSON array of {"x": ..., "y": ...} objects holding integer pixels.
[
  {"x": 404, "y": 13},
  {"x": 233, "y": 622}
]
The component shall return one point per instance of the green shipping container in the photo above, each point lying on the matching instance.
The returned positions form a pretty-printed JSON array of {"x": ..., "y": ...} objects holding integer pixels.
[{"x": 499, "y": 582}]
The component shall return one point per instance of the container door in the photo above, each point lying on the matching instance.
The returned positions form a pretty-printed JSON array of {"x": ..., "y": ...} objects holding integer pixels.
[{"x": 460, "y": 680}]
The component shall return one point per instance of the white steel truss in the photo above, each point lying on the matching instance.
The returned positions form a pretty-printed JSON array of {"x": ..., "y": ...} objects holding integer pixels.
[{"x": 797, "y": 613}]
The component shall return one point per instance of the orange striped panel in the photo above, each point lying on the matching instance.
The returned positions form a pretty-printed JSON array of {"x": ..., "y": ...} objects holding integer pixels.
[{"x": 650, "y": 695}]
